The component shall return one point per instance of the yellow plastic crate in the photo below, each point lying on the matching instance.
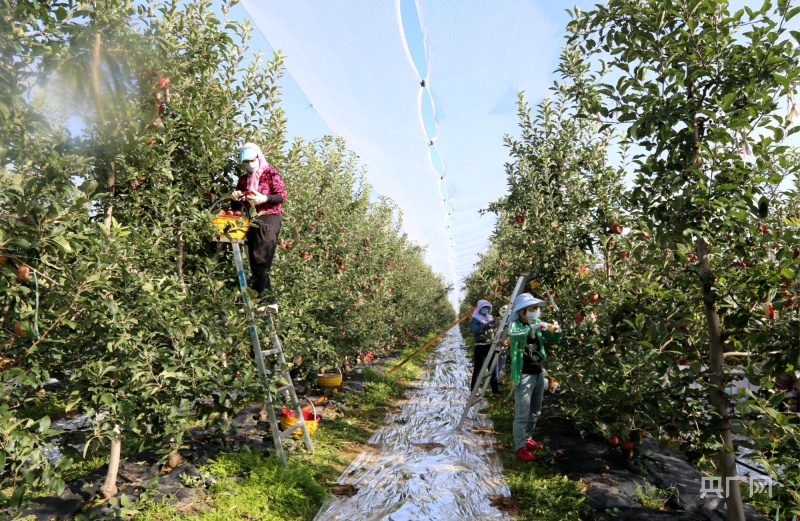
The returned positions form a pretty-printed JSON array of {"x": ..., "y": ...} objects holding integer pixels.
[{"x": 240, "y": 225}]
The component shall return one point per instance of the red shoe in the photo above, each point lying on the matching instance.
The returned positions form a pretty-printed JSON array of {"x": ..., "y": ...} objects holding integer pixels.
[
  {"x": 525, "y": 455},
  {"x": 532, "y": 445}
]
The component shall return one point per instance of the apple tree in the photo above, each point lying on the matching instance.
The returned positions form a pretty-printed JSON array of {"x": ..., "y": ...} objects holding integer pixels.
[{"x": 697, "y": 89}]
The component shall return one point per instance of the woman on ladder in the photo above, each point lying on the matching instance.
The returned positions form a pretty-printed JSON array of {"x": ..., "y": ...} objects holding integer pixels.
[{"x": 261, "y": 187}]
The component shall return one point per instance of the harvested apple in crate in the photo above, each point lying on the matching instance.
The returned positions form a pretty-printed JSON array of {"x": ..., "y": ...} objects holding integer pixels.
[{"x": 228, "y": 216}]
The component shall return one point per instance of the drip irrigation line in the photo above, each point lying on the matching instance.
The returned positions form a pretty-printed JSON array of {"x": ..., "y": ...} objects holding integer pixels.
[
  {"x": 745, "y": 465},
  {"x": 431, "y": 341}
]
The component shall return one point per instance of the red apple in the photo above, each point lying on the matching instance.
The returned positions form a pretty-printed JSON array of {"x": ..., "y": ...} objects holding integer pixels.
[
  {"x": 613, "y": 440},
  {"x": 616, "y": 228},
  {"x": 519, "y": 218},
  {"x": 796, "y": 253},
  {"x": 770, "y": 311},
  {"x": 19, "y": 331},
  {"x": 3, "y": 260},
  {"x": 579, "y": 318},
  {"x": 221, "y": 213},
  {"x": 627, "y": 445},
  {"x": 594, "y": 297},
  {"x": 623, "y": 255},
  {"x": 23, "y": 272},
  {"x": 584, "y": 302},
  {"x": 236, "y": 213},
  {"x": 163, "y": 83}
]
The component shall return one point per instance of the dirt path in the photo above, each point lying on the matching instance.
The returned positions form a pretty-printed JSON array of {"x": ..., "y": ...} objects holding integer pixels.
[{"x": 420, "y": 466}]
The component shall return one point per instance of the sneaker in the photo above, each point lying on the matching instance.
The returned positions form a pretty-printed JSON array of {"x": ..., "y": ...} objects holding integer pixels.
[
  {"x": 532, "y": 445},
  {"x": 270, "y": 307},
  {"x": 525, "y": 455}
]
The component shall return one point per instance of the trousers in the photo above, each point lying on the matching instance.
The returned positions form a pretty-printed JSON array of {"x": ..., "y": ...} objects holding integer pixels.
[{"x": 262, "y": 240}]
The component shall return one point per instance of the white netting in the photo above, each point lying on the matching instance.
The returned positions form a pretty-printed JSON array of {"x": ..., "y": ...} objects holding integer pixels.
[{"x": 351, "y": 60}]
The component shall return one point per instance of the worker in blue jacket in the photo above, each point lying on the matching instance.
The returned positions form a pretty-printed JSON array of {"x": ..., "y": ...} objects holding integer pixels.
[{"x": 481, "y": 325}]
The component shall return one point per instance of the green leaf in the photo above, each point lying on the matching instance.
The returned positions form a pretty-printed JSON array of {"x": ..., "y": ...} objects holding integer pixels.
[
  {"x": 44, "y": 424},
  {"x": 63, "y": 244},
  {"x": 787, "y": 273}
]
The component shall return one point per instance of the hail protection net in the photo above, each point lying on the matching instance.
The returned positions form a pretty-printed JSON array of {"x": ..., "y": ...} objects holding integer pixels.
[{"x": 352, "y": 61}]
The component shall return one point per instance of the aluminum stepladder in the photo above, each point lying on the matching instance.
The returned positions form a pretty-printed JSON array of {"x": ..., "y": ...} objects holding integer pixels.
[
  {"x": 277, "y": 350},
  {"x": 490, "y": 362}
]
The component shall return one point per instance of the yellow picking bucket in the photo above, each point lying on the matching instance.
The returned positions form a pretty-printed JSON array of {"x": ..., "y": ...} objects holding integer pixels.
[
  {"x": 237, "y": 231},
  {"x": 311, "y": 417},
  {"x": 330, "y": 380}
]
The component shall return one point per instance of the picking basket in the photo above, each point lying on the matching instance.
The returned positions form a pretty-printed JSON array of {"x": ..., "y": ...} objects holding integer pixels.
[
  {"x": 330, "y": 380},
  {"x": 240, "y": 225},
  {"x": 288, "y": 419}
]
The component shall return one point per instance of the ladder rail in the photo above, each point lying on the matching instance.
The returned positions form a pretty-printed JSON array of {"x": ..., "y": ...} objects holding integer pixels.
[
  {"x": 483, "y": 381},
  {"x": 277, "y": 435}
]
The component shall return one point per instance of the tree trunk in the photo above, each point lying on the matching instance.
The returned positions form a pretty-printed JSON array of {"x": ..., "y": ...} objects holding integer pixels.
[
  {"x": 109, "y": 488},
  {"x": 718, "y": 397}
]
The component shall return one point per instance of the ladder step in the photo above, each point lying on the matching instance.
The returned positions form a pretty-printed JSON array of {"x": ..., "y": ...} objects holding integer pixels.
[
  {"x": 284, "y": 388},
  {"x": 285, "y": 434},
  {"x": 270, "y": 352}
]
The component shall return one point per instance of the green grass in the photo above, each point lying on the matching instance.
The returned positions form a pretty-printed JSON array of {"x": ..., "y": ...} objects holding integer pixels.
[
  {"x": 253, "y": 486},
  {"x": 542, "y": 493},
  {"x": 653, "y": 497},
  {"x": 266, "y": 491}
]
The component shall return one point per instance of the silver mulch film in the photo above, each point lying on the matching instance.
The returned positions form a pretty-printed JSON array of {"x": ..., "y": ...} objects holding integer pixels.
[{"x": 421, "y": 467}]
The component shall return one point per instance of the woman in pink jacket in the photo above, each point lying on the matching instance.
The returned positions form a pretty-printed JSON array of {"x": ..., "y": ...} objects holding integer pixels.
[{"x": 261, "y": 187}]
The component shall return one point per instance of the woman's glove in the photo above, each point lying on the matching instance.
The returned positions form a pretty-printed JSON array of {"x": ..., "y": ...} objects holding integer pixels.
[
  {"x": 237, "y": 195},
  {"x": 539, "y": 325},
  {"x": 256, "y": 198}
]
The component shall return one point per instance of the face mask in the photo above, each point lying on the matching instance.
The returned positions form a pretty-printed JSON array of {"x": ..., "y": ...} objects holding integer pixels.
[
  {"x": 250, "y": 166},
  {"x": 484, "y": 311},
  {"x": 533, "y": 315}
]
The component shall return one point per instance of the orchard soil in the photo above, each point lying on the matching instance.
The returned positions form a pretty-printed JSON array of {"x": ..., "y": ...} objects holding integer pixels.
[{"x": 235, "y": 475}]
